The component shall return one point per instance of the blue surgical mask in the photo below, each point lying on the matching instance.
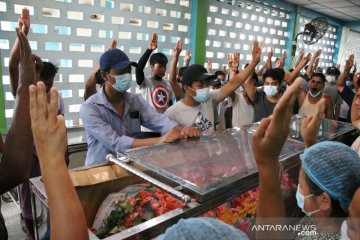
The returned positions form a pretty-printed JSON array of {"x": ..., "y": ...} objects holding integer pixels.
[
  {"x": 343, "y": 231},
  {"x": 349, "y": 83},
  {"x": 316, "y": 94},
  {"x": 300, "y": 198},
  {"x": 123, "y": 82},
  {"x": 202, "y": 95},
  {"x": 271, "y": 91}
]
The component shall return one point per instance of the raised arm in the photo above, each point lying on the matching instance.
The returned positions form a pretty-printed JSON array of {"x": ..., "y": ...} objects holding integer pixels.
[
  {"x": 241, "y": 77},
  {"x": 312, "y": 62},
  {"x": 172, "y": 76},
  {"x": 311, "y": 124},
  {"x": 267, "y": 64},
  {"x": 209, "y": 65},
  {"x": 140, "y": 77},
  {"x": 15, "y": 164},
  {"x": 23, "y": 25},
  {"x": 329, "y": 108},
  {"x": 301, "y": 56},
  {"x": 268, "y": 141},
  {"x": 66, "y": 214},
  {"x": 281, "y": 62},
  {"x": 187, "y": 58},
  {"x": 297, "y": 70},
  {"x": 340, "y": 82}
]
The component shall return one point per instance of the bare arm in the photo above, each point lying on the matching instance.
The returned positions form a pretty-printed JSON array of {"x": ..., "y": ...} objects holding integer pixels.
[
  {"x": 66, "y": 214},
  {"x": 241, "y": 77},
  {"x": 24, "y": 25},
  {"x": 172, "y": 76},
  {"x": 329, "y": 108},
  {"x": 15, "y": 164},
  {"x": 340, "y": 82},
  {"x": 301, "y": 56},
  {"x": 187, "y": 58},
  {"x": 268, "y": 141},
  {"x": 311, "y": 65},
  {"x": 296, "y": 71},
  {"x": 209, "y": 65},
  {"x": 140, "y": 77},
  {"x": 355, "y": 116}
]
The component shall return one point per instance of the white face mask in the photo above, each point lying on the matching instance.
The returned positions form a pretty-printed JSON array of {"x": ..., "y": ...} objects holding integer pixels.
[
  {"x": 270, "y": 91},
  {"x": 316, "y": 94},
  {"x": 343, "y": 231},
  {"x": 300, "y": 198},
  {"x": 330, "y": 78}
]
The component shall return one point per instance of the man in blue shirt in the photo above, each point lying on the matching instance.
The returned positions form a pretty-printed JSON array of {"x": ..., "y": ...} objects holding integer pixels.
[{"x": 112, "y": 117}]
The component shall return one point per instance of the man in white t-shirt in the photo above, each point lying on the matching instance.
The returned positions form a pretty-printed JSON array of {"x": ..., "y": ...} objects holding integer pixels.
[
  {"x": 197, "y": 107},
  {"x": 243, "y": 110}
]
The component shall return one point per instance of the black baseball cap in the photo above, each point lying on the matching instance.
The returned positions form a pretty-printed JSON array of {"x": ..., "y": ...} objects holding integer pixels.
[
  {"x": 115, "y": 59},
  {"x": 195, "y": 73},
  {"x": 333, "y": 70}
]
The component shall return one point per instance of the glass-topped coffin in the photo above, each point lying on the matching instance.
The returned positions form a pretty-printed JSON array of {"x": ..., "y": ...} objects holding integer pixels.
[{"x": 208, "y": 166}]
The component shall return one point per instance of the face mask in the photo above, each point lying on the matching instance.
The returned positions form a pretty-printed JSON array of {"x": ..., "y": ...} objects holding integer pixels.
[
  {"x": 301, "y": 202},
  {"x": 343, "y": 231},
  {"x": 123, "y": 82},
  {"x": 202, "y": 95},
  {"x": 349, "y": 83},
  {"x": 316, "y": 94},
  {"x": 270, "y": 91},
  {"x": 330, "y": 79}
]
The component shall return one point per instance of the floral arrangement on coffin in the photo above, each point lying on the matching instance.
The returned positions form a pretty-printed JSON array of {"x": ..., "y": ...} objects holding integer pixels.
[
  {"x": 243, "y": 207},
  {"x": 131, "y": 210}
]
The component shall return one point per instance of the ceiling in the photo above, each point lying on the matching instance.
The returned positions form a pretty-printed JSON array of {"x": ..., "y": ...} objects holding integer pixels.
[{"x": 345, "y": 10}]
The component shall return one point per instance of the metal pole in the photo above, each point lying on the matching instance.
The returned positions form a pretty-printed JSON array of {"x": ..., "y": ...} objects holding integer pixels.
[{"x": 183, "y": 197}]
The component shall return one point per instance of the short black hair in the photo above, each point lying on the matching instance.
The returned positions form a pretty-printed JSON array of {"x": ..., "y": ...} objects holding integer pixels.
[
  {"x": 255, "y": 77},
  {"x": 98, "y": 78},
  {"x": 49, "y": 70},
  {"x": 159, "y": 58},
  {"x": 219, "y": 72},
  {"x": 275, "y": 73},
  {"x": 321, "y": 75},
  {"x": 181, "y": 71}
]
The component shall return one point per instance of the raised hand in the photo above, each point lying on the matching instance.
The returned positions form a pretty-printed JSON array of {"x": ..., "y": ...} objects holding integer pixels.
[
  {"x": 349, "y": 63},
  {"x": 187, "y": 57},
  {"x": 30, "y": 65},
  {"x": 256, "y": 51},
  {"x": 236, "y": 62},
  {"x": 24, "y": 21},
  {"x": 230, "y": 60},
  {"x": 316, "y": 63},
  {"x": 112, "y": 44},
  {"x": 272, "y": 132},
  {"x": 305, "y": 60},
  {"x": 47, "y": 126},
  {"x": 209, "y": 65},
  {"x": 280, "y": 63},
  {"x": 311, "y": 124},
  {"x": 177, "y": 49},
  {"x": 302, "y": 52},
  {"x": 317, "y": 53},
  {"x": 153, "y": 43}
]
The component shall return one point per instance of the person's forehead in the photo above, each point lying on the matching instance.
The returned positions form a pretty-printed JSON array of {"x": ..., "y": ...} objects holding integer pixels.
[
  {"x": 316, "y": 79},
  {"x": 270, "y": 80}
]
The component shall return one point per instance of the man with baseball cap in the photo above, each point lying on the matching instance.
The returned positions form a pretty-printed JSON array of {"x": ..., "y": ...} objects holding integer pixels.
[
  {"x": 197, "y": 107},
  {"x": 332, "y": 74},
  {"x": 112, "y": 117}
]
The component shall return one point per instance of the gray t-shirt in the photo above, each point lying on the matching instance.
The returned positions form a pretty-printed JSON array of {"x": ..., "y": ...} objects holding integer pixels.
[
  {"x": 333, "y": 93},
  {"x": 157, "y": 93},
  {"x": 201, "y": 116},
  {"x": 262, "y": 107}
]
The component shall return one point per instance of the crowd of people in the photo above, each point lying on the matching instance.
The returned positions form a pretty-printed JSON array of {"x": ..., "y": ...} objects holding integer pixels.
[{"x": 191, "y": 103}]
